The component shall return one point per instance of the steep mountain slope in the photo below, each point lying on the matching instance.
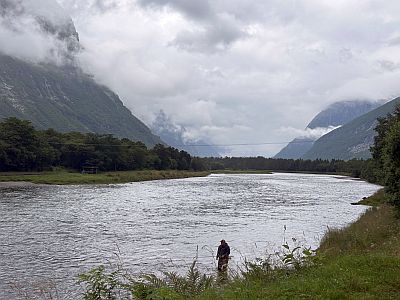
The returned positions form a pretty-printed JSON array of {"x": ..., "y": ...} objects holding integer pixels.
[
  {"x": 353, "y": 139},
  {"x": 334, "y": 115},
  {"x": 52, "y": 91},
  {"x": 65, "y": 99},
  {"x": 174, "y": 135}
]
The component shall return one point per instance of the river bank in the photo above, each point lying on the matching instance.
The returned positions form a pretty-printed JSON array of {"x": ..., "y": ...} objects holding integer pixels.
[{"x": 72, "y": 178}]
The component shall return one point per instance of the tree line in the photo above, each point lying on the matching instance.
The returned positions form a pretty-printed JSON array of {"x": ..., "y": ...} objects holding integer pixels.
[
  {"x": 353, "y": 167},
  {"x": 23, "y": 148}
]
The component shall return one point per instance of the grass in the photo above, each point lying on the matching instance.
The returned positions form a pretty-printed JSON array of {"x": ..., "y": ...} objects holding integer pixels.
[
  {"x": 376, "y": 199},
  {"x": 64, "y": 177}
]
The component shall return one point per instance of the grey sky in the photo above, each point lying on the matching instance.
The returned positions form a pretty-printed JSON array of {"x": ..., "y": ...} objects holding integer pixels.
[{"x": 240, "y": 71}]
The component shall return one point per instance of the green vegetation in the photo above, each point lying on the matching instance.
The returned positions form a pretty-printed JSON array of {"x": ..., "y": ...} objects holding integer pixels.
[
  {"x": 22, "y": 148},
  {"x": 379, "y": 198},
  {"x": 355, "y": 167},
  {"x": 386, "y": 155},
  {"x": 64, "y": 177}
]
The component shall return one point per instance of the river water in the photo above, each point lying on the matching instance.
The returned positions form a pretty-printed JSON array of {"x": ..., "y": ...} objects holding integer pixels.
[{"x": 52, "y": 233}]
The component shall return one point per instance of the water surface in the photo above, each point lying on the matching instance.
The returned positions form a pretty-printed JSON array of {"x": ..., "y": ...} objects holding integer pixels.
[{"x": 56, "y": 232}]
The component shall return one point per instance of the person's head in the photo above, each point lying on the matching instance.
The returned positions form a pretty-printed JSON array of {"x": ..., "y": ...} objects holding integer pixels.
[{"x": 223, "y": 242}]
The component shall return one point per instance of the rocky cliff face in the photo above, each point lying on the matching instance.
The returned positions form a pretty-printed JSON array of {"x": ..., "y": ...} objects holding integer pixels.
[
  {"x": 60, "y": 95},
  {"x": 336, "y": 114}
]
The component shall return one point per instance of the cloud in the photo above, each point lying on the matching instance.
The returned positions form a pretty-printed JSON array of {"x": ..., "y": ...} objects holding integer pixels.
[
  {"x": 314, "y": 133},
  {"x": 199, "y": 10},
  {"x": 210, "y": 38},
  {"x": 37, "y": 31},
  {"x": 210, "y": 30},
  {"x": 76, "y": 7}
]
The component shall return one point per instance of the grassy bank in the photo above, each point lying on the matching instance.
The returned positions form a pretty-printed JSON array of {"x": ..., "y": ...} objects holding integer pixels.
[
  {"x": 64, "y": 177},
  {"x": 377, "y": 199}
]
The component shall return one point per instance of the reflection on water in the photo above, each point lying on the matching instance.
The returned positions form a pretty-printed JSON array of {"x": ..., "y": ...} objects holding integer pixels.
[{"x": 58, "y": 231}]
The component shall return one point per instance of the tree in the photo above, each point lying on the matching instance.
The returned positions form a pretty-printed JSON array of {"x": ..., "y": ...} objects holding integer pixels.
[
  {"x": 386, "y": 154},
  {"x": 19, "y": 145}
]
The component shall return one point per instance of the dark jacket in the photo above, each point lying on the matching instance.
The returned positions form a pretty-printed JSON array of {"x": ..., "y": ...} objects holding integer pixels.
[{"x": 223, "y": 251}]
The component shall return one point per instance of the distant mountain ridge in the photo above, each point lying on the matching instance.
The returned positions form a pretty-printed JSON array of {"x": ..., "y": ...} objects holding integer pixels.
[
  {"x": 353, "y": 139},
  {"x": 334, "y": 115}
]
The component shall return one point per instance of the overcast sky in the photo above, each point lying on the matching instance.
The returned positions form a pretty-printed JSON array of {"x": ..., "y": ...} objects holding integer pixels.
[{"x": 240, "y": 71}]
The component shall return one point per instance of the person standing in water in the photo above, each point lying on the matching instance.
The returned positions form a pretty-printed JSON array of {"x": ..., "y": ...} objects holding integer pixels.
[{"x": 223, "y": 255}]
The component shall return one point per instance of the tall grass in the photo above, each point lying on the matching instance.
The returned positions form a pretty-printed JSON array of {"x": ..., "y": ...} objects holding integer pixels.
[
  {"x": 377, "y": 199},
  {"x": 118, "y": 284},
  {"x": 376, "y": 230}
]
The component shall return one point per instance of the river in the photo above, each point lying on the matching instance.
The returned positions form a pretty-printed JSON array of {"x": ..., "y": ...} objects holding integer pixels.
[{"x": 52, "y": 233}]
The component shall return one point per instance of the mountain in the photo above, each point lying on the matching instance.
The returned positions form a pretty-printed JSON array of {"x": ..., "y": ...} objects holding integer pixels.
[
  {"x": 174, "y": 135},
  {"x": 334, "y": 115},
  {"x": 342, "y": 112},
  {"x": 65, "y": 99},
  {"x": 353, "y": 139},
  {"x": 59, "y": 95}
]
